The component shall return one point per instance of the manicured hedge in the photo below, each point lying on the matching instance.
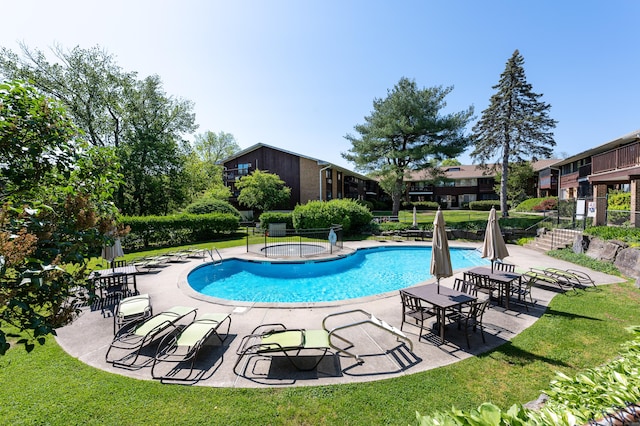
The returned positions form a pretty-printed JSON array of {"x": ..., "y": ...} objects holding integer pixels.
[
  {"x": 484, "y": 205},
  {"x": 421, "y": 205},
  {"x": 211, "y": 205},
  {"x": 323, "y": 214},
  {"x": 153, "y": 231},
  {"x": 276, "y": 217}
]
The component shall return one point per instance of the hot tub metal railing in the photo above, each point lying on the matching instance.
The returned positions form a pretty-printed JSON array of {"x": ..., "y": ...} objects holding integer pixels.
[{"x": 297, "y": 243}]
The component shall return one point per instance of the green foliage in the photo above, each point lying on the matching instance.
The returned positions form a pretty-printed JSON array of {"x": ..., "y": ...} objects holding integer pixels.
[
  {"x": 421, "y": 205},
  {"x": 537, "y": 204},
  {"x": 484, "y": 205},
  {"x": 519, "y": 182},
  {"x": 114, "y": 109},
  {"x": 55, "y": 208},
  {"x": 584, "y": 260},
  {"x": 154, "y": 231},
  {"x": 262, "y": 190},
  {"x": 368, "y": 204},
  {"x": 618, "y": 200},
  {"x": 323, "y": 214},
  {"x": 276, "y": 217},
  {"x": 152, "y": 152},
  {"x": 630, "y": 236},
  {"x": 211, "y": 205},
  {"x": 406, "y": 132},
  {"x": 572, "y": 400},
  {"x": 516, "y": 126}
]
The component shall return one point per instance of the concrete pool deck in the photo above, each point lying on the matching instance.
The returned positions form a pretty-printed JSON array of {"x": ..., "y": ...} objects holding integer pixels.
[{"x": 88, "y": 337}]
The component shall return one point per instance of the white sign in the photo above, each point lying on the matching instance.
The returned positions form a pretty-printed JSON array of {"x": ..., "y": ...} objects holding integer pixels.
[
  {"x": 591, "y": 209},
  {"x": 580, "y": 209}
]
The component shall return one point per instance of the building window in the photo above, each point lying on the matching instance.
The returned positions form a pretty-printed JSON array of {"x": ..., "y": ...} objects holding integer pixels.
[{"x": 243, "y": 169}]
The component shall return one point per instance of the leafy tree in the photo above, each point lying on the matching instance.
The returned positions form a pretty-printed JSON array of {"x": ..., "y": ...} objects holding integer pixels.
[
  {"x": 519, "y": 182},
  {"x": 262, "y": 191},
  {"x": 55, "y": 210},
  {"x": 87, "y": 81},
  {"x": 406, "y": 132},
  {"x": 211, "y": 205},
  {"x": 212, "y": 147},
  {"x": 115, "y": 109},
  {"x": 515, "y": 127},
  {"x": 450, "y": 162},
  {"x": 153, "y": 153},
  {"x": 206, "y": 174}
]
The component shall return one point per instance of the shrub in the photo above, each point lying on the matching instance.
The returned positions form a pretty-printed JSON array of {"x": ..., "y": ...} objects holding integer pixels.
[
  {"x": 367, "y": 204},
  {"x": 323, "y": 214},
  {"x": 421, "y": 205},
  {"x": 618, "y": 200},
  {"x": 546, "y": 204},
  {"x": 211, "y": 205},
  {"x": 484, "y": 205},
  {"x": 537, "y": 204},
  {"x": 630, "y": 236},
  {"x": 276, "y": 217},
  {"x": 147, "y": 231}
]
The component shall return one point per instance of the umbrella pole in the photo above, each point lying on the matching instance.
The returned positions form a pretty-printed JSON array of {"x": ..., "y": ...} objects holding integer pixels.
[{"x": 438, "y": 282}]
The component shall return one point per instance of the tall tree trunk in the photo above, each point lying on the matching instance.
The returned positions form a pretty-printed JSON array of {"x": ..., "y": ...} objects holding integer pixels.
[
  {"x": 396, "y": 196},
  {"x": 503, "y": 181}
]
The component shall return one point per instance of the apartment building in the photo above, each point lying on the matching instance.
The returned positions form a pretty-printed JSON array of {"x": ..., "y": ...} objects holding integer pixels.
[{"x": 309, "y": 178}]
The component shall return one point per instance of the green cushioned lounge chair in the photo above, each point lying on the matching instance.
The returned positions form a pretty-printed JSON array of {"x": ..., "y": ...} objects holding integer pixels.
[
  {"x": 132, "y": 310},
  {"x": 185, "y": 345},
  {"x": 131, "y": 338},
  {"x": 276, "y": 339}
]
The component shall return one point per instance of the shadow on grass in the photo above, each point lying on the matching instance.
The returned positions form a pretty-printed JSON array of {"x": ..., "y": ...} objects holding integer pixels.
[
  {"x": 516, "y": 356},
  {"x": 569, "y": 315}
]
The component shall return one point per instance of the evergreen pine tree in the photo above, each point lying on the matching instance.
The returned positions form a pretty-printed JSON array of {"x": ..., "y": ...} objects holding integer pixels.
[{"x": 515, "y": 127}]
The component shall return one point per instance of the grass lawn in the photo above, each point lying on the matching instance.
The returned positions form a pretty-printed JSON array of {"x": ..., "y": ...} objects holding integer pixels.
[{"x": 49, "y": 387}]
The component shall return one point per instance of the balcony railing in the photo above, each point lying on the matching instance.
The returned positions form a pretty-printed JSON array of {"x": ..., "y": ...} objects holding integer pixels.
[{"x": 619, "y": 158}]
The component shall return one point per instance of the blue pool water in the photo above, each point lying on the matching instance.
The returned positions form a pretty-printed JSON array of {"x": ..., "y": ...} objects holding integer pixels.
[{"x": 366, "y": 272}]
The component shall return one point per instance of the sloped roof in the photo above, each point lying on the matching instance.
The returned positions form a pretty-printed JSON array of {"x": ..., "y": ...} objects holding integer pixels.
[
  {"x": 622, "y": 140},
  {"x": 320, "y": 162},
  {"x": 471, "y": 171}
]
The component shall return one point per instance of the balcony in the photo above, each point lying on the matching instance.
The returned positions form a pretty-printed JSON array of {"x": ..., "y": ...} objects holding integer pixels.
[{"x": 619, "y": 158}]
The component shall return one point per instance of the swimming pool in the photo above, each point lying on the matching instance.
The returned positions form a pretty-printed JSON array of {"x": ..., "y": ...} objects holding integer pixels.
[{"x": 364, "y": 273}]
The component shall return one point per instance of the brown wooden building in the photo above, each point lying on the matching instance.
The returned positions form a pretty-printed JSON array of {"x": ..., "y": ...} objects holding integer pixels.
[
  {"x": 592, "y": 173},
  {"x": 309, "y": 178}
]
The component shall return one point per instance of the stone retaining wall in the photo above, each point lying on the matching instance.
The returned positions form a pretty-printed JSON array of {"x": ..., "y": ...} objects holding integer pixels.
[{"x": 625, "y": 258}]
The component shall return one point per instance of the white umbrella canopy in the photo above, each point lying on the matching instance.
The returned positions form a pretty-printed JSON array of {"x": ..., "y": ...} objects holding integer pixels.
[
  {"x": 112, "y": 252},
  {"x": 440, "y": 256},
  {"x": 493, "y": 247}
]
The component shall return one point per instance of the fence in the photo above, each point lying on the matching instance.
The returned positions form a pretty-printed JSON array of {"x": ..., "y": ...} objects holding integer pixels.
[
  {"x": 282, "y": 242},
  {"x": 576, "y": 213}
]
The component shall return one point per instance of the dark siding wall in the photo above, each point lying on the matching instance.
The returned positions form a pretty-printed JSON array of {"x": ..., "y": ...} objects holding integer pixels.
[{"x": 283, "y": 164}]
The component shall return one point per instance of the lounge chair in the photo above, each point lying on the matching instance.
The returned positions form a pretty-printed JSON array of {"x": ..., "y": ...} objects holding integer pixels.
[
  {"x": 273, "y": 339},
  {"x": 131, "y": 310},
  {"x": 185, "y": 345},
  {"x": 270, "y": 339},
  {"x": 133, "y": 337},
  {"x": 573, "y": 277}
]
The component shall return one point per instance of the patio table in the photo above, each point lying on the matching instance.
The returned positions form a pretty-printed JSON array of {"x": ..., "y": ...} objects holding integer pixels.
[
  {"x": 442, "y": 299},
  {"x": 121, "y": 272},
  {"x": 503, "y": 279}
]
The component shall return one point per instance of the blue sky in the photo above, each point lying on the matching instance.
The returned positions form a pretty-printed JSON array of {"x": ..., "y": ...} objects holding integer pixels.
[{"x": 300, "y": 74}]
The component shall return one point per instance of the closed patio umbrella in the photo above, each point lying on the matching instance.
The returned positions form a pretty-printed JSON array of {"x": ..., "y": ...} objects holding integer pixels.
[
  {"x": 415, "y": 217},
  {"x": 440, "y": 256},
  {"x": 493, "y": 246},
  {"x": 112, "y": 252}
]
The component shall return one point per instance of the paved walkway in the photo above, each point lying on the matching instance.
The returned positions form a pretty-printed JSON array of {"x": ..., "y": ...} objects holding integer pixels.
[{"x": 89, "y": 336}]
